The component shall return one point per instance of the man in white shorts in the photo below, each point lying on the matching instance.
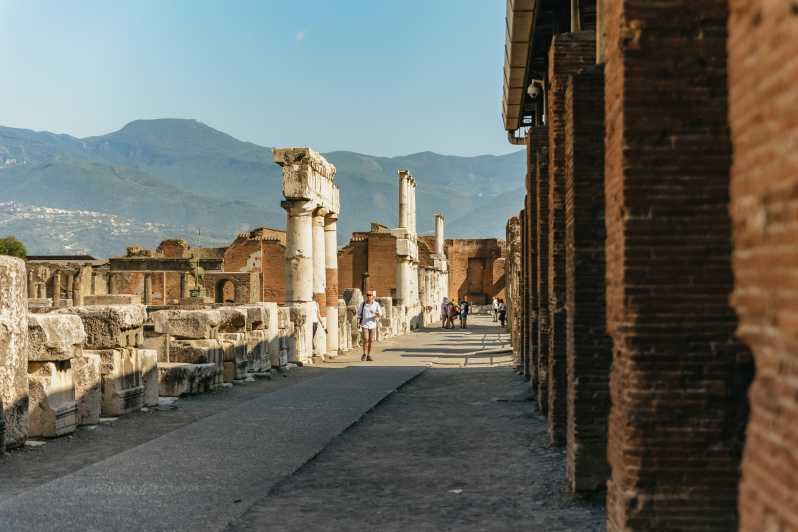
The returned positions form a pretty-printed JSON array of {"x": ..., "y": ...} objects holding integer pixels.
[{"x": 368, "y": 316}]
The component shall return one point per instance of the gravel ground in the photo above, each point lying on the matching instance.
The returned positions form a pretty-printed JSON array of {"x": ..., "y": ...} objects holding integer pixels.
[{"x": 452, "y": 450}]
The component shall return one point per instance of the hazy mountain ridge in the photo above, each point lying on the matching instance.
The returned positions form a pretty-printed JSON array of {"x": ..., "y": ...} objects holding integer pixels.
[{"x": 179, "y": 173}]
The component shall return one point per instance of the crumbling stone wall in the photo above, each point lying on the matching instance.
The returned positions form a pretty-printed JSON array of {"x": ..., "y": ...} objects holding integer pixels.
[
  {"x": 764, "y": 125},
  {"x": 353, "y": 262},
  {"x": 671, "y": 434},
  {"x": 13, "y": 352},
  {"x": 567, "y": 54},
  {"x": 588, "y": 347},
  {"x": 537, "y": 148},
  {"x": 541, "y": 251}
]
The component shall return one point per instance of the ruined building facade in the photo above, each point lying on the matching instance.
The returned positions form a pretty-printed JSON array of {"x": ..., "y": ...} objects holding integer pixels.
[{"x": 652, "y": 257}]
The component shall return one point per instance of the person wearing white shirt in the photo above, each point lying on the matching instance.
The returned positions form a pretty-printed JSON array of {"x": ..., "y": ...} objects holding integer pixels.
[
  {"x": 315, "y": 317},
  {"x": 368, "y": 316}
]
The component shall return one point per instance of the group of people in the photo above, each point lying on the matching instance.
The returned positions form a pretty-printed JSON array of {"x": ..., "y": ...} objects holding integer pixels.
[
  {"x": 499, "y": 310},
  {"x": 451, "y": 311}
]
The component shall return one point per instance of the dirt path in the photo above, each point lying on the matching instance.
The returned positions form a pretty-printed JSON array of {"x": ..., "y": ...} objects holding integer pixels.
[{"x": 453, "y": 450}]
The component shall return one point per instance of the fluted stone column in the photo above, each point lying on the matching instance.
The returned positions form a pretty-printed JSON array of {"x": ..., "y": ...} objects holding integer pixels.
[
  {"x": 299, "y": 251},
  {"x": 31, "y": 285},
  {"x": 404, "y": 191},
  {"x": 439, "y": 234},
  {"x": 147, "y": 288},
  {"x": 319, "y": 277},
  {"x": 331, "y": 271},
  {"x": 411, "y": 211}
]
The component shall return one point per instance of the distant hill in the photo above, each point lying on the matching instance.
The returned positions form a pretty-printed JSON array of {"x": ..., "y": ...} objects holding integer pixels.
[{"x": 176, "y": 174}]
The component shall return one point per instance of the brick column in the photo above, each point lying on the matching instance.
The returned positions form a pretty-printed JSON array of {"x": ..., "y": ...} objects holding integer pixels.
[
  {"x": 671, "y": 443},
  {"x": 541, "y": 276},
  {"x": 568, "y": 53},
  {"x": 523, "y": 299},
  {"x": 588, "y": 347},
  {"x": 537, "y": 142},
  {"x": 764, "y": 188}
]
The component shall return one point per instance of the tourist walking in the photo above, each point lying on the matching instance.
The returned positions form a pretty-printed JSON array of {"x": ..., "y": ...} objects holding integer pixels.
[
  {"x": 368, "y": 316},
  {"x": 465, "y": 308},
  {"x": 502, "y": 313},
  {"x": 495, "y": 309},
  {"x": 444, "y": 312},
  {"x": 451, "y": 312}
]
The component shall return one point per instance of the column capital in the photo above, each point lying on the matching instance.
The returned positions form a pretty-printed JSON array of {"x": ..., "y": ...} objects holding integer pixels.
[
  {"x": 298, "y": 207},
  {"x": 321, "y": 212},
  {"x": 330, "y": 219}
]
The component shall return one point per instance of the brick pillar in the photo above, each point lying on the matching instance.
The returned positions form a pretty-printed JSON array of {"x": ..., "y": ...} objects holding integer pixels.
[
  {"x": 541, "y": 276},
  {"x": 588, "y": 347},
  {"x": 537, "y": 138},
  {"x": 523, "y": 299},
  {"x": 568, "y": 53},
  {"x": 764, "y": 188},
  {"x": 671, "y": 442}
]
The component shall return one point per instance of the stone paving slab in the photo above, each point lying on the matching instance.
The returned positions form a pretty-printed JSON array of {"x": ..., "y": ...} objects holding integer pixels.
[{"x": 203, "y": 475}]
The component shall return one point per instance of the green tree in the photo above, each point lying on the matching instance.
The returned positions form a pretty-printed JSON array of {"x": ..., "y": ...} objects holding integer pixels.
[{"x": 11, "y": 246}]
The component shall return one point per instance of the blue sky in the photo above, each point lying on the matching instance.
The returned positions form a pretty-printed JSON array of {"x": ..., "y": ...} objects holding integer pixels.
[{"x": 383, "y": 77}]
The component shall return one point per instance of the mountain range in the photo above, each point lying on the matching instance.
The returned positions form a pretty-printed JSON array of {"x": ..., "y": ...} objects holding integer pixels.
[{"x": 178, "y": 178}]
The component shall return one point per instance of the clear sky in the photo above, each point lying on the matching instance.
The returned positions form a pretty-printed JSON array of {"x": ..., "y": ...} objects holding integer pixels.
[{"x": 383, "y": 77}]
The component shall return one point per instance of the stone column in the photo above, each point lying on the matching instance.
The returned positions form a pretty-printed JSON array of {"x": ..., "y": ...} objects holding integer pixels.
[
  {"x": 403, "y": 279},
  {"x": 109, "y": 278},
  {"x": 184, "y": 293},
  {"x": 75, "y": 290},
  {"x": 147, "y": 288},
  {"x": 331, "y": 270},
  {"x": 70, "y": 277},
  {"x": 404, "y": 191},
  {"x": 412, "y": 208},
  {"x": 439, "y": 239},
  {"x": 31, "y": 286},
  {"x": 319, "y": 261},
  {"x": 56, "y": 288},
  {"x": 299, "y": 251},
  {"x": 13, "y": 352}
]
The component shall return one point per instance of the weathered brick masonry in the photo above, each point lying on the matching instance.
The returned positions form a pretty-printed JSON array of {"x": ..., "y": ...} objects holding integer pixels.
[
  {"x": 525, "y": 347},
  {"x": 763, "y": 46},
  {"x": 541, "y": 222},
  {"x": 536, "y": 140},
  {"x": 672, "y": 444},
  {"x": 568, "y": 53},
  {"x": 588, "y": 347}
]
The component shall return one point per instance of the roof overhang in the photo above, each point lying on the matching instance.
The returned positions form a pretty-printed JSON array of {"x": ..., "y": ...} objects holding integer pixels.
[{"x": 520, "y": 26}]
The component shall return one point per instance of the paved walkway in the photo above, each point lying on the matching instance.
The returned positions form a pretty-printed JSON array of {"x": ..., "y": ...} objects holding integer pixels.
[{"x": 331, "y": 447}]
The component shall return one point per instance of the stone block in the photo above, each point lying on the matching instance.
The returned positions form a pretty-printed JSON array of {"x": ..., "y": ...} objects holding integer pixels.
[
  {"x": 178, "y": 378},
  {"x": 149, "y": 375},
  {"x": 122, "y": 383},
  {"x": 112, "y": 299},
  {"x": 198, "y": 352},
  {"x": 258, "y": 356},
  {"x": 53, "y": 337},
  {"x": 235, "y": 356},
  {"x": 189, "y": 324},
  {"x": 52, "y": 411},
  {"x": 232, "y": 320},
  {"x": 111, "y": 326},
  {"x": 87, "y": 376},
  {"x": 13, "y": 352}
]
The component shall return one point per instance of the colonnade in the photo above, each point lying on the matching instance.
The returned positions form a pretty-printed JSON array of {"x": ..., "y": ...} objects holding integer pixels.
[{"x": 312, "y": 204}]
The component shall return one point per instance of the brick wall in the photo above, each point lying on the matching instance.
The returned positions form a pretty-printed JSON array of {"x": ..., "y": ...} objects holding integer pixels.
[
  {"x": 763, "y": 45},
  {"x": 242, "y": 255},
  {"x": 588, "y": 347},
  {"x": 382, "y": 263},
  {"x": 671, "y": 442},
  {"x": 353, "y": 261},
  {"x": 272, "y": 279},
  {"x": 567, "y": 54},
  {"x": 461, "y": 280},
  {"x": 523, "y": 299}
]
